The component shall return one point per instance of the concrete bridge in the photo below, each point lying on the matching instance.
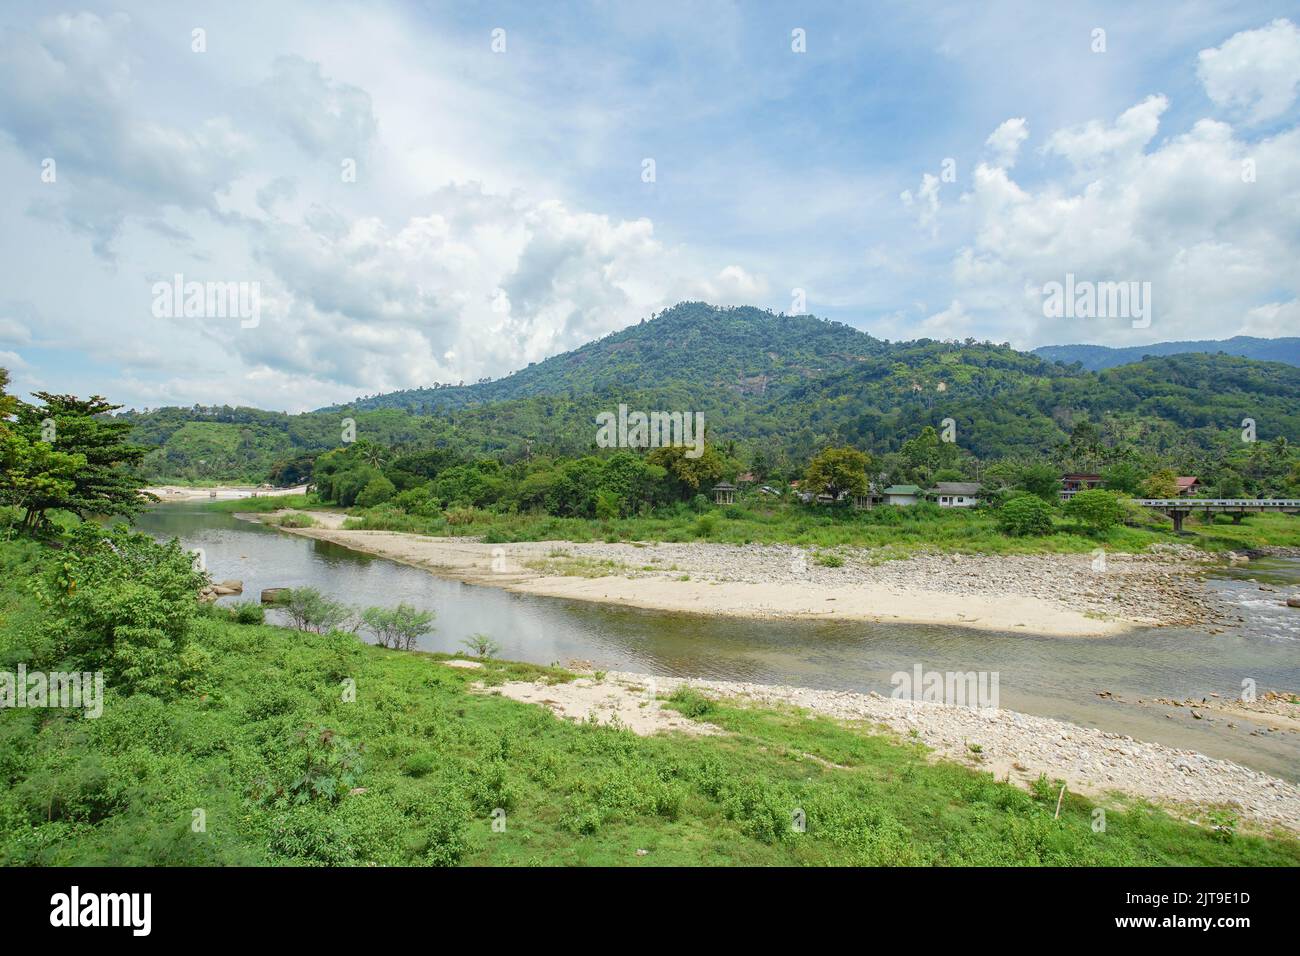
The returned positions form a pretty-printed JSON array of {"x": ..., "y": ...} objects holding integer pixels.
[{"x": 1180, "y": 508}]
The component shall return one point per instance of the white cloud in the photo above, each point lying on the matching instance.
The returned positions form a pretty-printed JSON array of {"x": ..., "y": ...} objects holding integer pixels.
[
  {"x": 1255, "y": 71},
  {"x": 1217, "y": 250},
  {"x": 1005, "y": 141},
  {"x": 925, "y": 201}
]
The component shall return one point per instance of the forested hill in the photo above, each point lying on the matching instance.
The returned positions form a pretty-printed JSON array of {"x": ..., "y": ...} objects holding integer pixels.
[
  {"x": 1098, "y": 357},
  {"x": 743, "y": 350},
  {"x": 785, "y": 385}
]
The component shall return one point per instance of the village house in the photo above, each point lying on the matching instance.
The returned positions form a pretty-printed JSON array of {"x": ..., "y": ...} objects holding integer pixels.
[
  {"x": 902, "y": 494},
  {"x": 1188, "y": 486},
  {"x": 1072, "y": 484},
  {"x": 955, "y": 494}
]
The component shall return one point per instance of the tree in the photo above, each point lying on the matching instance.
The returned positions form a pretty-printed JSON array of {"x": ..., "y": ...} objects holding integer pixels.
[
  {"x": 1041, "y": 480},
  {"x": 1025, "y": 515},
  {"x": 837, "y": 471},
  {"x": 103, "y": 482},
  {"x": 377, "y": 490},
  {"x": 1163, "y": 484},
  {"x": 1123, "y": 476},
  {"x": 1096, "y": 509},
  {"x": 688, "y": 474}
]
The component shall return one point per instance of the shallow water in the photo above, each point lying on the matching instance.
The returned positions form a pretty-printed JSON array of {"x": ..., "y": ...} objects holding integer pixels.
[{"x": 1050, "y": 676}]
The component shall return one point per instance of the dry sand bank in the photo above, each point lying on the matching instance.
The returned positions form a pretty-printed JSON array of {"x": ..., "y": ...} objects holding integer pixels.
[
  {"x": 223, "y": 492},
  {"x": 1059, "y": 595}
]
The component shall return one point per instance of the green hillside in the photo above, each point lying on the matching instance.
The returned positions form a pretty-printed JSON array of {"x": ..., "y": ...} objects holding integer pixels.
[{"x": 782, "y": 386}]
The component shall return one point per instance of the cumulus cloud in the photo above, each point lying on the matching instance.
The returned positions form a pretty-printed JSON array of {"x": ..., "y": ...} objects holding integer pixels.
[
  {"x": 1214, "y": 243},
  {"x": 925, "y": 201},
  {"x": 323, "y": 116},
  {"x": 476, "y": 284},
  {"x": 1255, "y": 71},
  {"x": 1005, "y": 141},
  {"x": 68, "y": 87}
]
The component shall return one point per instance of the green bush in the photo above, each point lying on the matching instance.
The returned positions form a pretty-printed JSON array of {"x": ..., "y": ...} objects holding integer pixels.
[
  {"x": 377, "y": 490},
  {"x": 1095, "y": 509},
  {"x": 1025, "y": 514},
  {"x": 309, "y": 610},
  {"x": 124, "y": 604},
  {"x": 398, "y": 627}
]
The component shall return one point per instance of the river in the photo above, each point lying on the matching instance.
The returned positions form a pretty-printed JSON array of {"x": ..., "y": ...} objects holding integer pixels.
[{"x": 1049, "y": 676}]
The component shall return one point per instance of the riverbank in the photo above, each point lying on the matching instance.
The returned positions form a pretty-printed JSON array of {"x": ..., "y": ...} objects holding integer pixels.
[
  {"x": 1014, "y": 747},
  {"x": 1056, "y": 595}
]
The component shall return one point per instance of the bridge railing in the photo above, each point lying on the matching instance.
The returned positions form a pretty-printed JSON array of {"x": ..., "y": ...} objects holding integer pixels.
[{"x": 1218, "y": 502}]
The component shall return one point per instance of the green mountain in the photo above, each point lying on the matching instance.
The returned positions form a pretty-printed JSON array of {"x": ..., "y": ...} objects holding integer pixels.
[
  {"x": 743, "y": 350},
  {"x": 1098, "y": 357},
  {"x": 785, "y": 385}
]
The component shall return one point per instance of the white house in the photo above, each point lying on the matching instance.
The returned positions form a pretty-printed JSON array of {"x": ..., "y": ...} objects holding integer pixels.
[
  {"x": 955, "y": 494},
  {"x": 902, "y": 494}
]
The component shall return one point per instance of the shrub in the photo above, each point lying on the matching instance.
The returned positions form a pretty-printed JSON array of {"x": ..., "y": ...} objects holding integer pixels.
[
  {"x": 125, "y": 604},
  {"x": 377, "y": 490},
  {"x": 399, "y": 627},
  {"x": 249, "y": 612},
  {"x": 1025, "y": 515},
  {"x": 1095, "y": 509},
  {"x": 295, "y": 519},
  {"x": 690, "y": 702},
  {"x": 309, "y": 610},
  {"x": 480, "y": 645},
  {"x": 705, "y": 525}
]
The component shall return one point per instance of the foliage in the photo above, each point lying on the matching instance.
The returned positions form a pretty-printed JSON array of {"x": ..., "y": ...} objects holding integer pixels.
[
  {"x": 838, "y": 471},
  {"x": 309, "y": 610},
  {"x": 124, "y": 604},
  {"x": 1096, "y": 509},
  {"x": 480, "y": 645},
  {"x": 398, "y": 627},
  {"x": 1025, "y": 514}
]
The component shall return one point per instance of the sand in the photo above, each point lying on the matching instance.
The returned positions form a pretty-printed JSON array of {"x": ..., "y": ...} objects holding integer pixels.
[{"x": 527, "y": 568}]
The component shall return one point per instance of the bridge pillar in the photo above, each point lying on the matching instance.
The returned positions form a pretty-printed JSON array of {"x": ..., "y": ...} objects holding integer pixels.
[
  {"x": 1178, "y": 517},
  {"x": 1237, "y": 516}
]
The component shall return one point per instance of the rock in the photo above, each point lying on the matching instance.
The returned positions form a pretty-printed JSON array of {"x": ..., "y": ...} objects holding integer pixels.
[
  {"x": 221, "y": 591},
  {"x": 236, "y": 587},
  {"x": 273, "y": 595},
  {"x": 1293, "y": 601}
]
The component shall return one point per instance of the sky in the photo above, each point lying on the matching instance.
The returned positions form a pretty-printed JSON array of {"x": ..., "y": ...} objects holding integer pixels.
[{"x": 410, "y": 193}]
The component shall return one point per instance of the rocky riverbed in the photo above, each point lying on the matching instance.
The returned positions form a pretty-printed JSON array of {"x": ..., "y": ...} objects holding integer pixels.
[{"x": 1161, "y": 587}]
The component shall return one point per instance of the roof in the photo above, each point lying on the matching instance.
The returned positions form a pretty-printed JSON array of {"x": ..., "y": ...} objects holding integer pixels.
[
  {"x": 1079, "y": 475},
  {"x": 747, "y": 476},
  {"x": 724, "y": 486},
  {"x": 1185, "y": 481},
  {"x": 955, "y": 488},
  {"x": 902, "y": 490}
]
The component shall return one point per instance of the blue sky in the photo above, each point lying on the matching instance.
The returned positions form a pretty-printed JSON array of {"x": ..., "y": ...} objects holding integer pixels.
[{"x": 500, "y": 214}]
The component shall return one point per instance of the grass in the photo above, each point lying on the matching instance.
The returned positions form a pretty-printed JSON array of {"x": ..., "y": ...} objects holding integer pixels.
[
  {"x": 890, "y": 532},
  {"x": 428, "y": 759}
]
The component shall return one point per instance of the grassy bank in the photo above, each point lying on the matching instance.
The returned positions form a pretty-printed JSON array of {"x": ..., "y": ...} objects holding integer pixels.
[
  {"x": 895, "y": 532},
  {"x": 263, "y": 747}
]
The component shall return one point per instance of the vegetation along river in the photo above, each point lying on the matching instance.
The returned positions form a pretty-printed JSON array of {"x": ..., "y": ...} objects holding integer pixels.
[{"x": 1049, "y": 676}]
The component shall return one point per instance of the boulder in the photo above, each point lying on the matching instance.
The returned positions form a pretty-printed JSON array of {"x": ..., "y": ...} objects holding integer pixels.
[
  {"x": 1293, "y": 601},
  {"x": 272, "y": 595},
  {"x": 235, "y": 587},
  {"x": 222, "y": 591}
]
